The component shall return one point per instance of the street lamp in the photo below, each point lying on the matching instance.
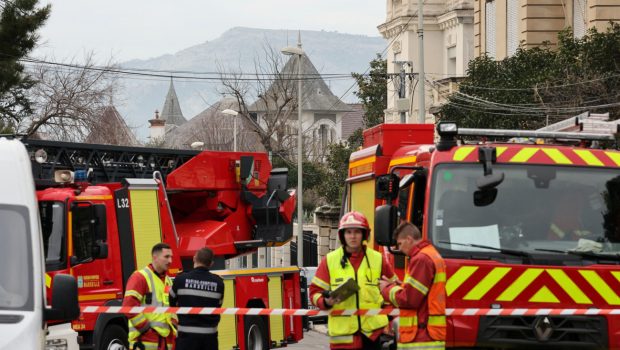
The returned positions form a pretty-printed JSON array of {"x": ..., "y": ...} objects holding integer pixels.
[
  {"x": 300, "y": 215},
  {"x": 234, "y": 114},
  {"x": 197, "y": 145}
]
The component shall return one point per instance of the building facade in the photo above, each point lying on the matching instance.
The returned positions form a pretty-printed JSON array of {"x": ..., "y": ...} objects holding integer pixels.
[
  {"x": 501, "y": 26},
  {"x": 448, "y": 48},
  {"x": 322, "y": 111}
]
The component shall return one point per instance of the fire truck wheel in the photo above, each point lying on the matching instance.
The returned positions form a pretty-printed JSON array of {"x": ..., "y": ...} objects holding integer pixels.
[
  {"x": 255, "y": 333},
  {"x": 114, "y": 338}
]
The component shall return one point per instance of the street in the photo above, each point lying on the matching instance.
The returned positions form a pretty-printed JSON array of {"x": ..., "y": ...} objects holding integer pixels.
[{"x": 312, "y": 340}]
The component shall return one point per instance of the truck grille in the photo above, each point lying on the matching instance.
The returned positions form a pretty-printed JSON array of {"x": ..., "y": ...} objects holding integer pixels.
[{"x": 582, "y": 332}]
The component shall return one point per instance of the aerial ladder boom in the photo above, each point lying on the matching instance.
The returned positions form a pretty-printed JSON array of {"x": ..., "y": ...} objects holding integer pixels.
[{"x": 233, "y": 202}]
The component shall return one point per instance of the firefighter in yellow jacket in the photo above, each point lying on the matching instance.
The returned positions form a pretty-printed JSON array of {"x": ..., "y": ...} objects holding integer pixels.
[
  {"x": 357, "y": 261},
  {"x": 150, "y": 287}
]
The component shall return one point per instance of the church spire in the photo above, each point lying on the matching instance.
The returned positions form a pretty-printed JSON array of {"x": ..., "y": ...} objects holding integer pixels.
[{"x": 172, "y": 110}]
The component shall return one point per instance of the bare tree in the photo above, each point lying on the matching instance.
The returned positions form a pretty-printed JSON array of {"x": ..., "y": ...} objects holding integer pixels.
[
  {"x": 67, "y": 100},
  {"x": 217, "y": 135},
  {"x": 216, "y": 130},
  {"x": 275, "y": 100}
]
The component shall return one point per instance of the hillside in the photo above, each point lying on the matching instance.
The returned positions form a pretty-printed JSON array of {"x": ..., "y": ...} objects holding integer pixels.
[{"x": 237, "y": 49}]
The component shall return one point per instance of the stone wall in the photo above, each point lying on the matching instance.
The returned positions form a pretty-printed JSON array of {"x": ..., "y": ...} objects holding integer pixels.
[{"x": 326, "y": 218}]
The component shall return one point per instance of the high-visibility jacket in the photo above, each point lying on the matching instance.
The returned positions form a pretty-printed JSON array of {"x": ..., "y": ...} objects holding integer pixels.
[
  {"x": 565, "y": 232},
  {"x": 162, "y": 324},
  {"x": 436, "y": 299},
  {"x": 342, "y": 328}
]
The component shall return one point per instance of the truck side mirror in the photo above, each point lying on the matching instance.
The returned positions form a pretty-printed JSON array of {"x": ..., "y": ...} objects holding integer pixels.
[
  {"x": 386, "y": 219},
  {"x": 387, "y": 187},
  {"x": 65, "y": 305},
  {"x": 100, "y": 250}
]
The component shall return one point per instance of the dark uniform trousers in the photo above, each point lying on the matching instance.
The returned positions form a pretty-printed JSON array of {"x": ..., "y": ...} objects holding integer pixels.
[{"x": 197, "y": 288}]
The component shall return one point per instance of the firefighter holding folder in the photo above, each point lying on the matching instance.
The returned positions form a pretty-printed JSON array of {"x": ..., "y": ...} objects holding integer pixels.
[{"x": 355, "y": 261}]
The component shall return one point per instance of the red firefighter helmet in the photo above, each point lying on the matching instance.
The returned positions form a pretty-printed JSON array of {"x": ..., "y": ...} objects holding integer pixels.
[{"x": 353, "y": 219}]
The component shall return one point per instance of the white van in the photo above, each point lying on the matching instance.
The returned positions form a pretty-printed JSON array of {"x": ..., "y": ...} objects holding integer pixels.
[{"x": 23, "y": 309}]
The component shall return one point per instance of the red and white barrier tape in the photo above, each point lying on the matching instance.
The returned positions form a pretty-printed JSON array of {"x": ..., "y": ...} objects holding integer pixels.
[
  {"x": 349, "y": 312},
  {"x": 233, "y": 311}
]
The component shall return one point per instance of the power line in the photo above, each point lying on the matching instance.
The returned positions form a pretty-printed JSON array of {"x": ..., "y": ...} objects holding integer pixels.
[
  {"x": 476, "y": 104},
  {"x": 542, "y": 87},
  {"x": 178, "y": 74}
]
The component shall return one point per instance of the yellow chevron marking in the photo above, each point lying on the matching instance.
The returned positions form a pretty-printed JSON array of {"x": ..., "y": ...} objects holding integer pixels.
[
  {"x": 463, "y": 152},
  {"x": 500, "y": 150},
  {"x": 616, "y": 275},
  {"x": 569, "y": 286},
  {"x": 557, "y": 156},
  {"x": 524, "y": 155},
  {"x": 527, "y": 277},
  {"x": 544, "y": 295},
  {"x": 48, "y": 281},
  {"x": 588, "y": 157},
  {"x": 459, "y": 277},
  {"x": 614, "y": 156},
  {"x": 601, "y": 287},
  {"x": 487, "y": 283},
  {"x": 405, "y": 160}
]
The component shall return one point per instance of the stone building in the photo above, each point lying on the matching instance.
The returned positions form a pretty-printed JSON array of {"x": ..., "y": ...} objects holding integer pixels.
[
  {"x": 448, "y": 48},
  {"x": 501, "y": 26}
]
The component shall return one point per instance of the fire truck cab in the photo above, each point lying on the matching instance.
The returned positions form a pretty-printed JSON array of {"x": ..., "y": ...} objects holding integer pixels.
[{"x": 524, "y": 226}]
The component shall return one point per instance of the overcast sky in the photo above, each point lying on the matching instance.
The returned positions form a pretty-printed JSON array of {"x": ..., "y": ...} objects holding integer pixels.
[{"x": 140, "y": 29}]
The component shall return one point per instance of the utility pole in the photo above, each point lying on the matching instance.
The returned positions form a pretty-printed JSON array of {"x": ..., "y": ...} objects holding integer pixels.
[
  {"x": 402, "y": 105},
  {"x": 421, "y": 103},
  {"x": 300, "y": 214},
  {"x": 401, "y": 92}
]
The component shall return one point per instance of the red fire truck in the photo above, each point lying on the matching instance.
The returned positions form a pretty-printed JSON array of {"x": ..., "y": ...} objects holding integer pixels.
[
  {"x": 526, "y": 223},
  {"x": 103, "y": 207}
]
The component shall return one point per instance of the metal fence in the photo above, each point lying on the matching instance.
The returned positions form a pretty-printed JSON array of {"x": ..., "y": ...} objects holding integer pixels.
[{"x": 311, "y": 250}]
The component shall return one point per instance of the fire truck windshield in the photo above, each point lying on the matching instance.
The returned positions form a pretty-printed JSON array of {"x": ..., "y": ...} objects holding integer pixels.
[
  {"x": 536, "y": 208},
  {"x": 16, "y": 250},
  {"x": 53, "y": 231}
]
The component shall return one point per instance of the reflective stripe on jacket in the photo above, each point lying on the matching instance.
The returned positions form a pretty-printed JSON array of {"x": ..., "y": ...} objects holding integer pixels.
[
  {"x": 436, "y": 300},
  {"x": 342, "y": 328},
  {"x": 160, "y": 323}
]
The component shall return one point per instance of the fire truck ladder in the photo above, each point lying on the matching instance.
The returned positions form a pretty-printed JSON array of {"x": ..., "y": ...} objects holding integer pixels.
[{"x": 108, "y": 163}]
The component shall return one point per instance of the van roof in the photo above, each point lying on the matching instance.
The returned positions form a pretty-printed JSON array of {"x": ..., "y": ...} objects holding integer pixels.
[{"x": 16, "y": 183}]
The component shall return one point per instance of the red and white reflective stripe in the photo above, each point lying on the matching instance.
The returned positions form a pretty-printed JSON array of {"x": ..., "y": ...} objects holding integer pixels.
[
  {"x": 529, "y": 312},
  {"x": 314, "y": 312}
]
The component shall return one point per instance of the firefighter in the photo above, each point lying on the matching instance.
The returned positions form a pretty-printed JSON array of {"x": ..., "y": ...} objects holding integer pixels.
[
  {"x": 566, "y": 219},
  {"x": 150, "y": 287},
  {"x": 352, "y": 260},
  {"x": 422, "y": 294},
  {"x": 198, "y": 288}
]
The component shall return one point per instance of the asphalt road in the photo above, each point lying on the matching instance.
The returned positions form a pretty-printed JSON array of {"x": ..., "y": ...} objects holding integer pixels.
[{"x": 312, "y": 340}]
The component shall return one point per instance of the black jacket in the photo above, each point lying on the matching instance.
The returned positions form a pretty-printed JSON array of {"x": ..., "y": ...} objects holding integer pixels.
[{"x": 197, "y": 288}]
